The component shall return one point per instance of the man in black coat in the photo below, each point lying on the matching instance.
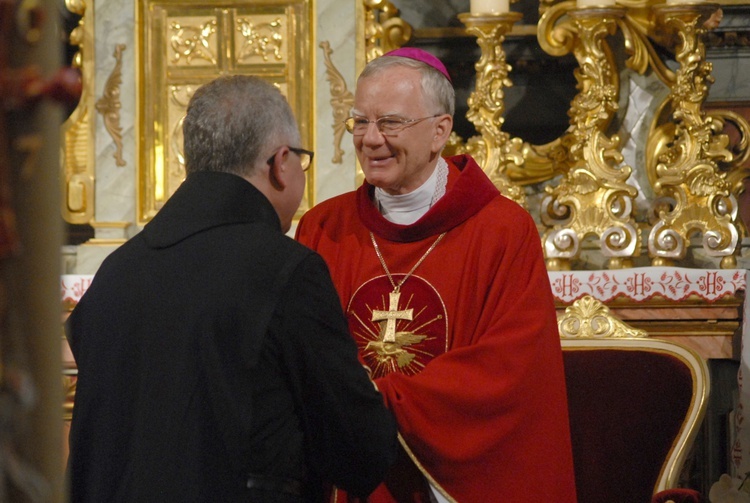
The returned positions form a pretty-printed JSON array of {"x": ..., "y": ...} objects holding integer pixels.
[{"x": 214, "y": 362}]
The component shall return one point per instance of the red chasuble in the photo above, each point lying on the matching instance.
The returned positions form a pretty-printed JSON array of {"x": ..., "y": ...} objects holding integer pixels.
[{"x": 471, "y": 363}]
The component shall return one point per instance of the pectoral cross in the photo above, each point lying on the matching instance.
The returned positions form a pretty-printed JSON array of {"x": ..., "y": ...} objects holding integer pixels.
[{"x": 391, "y": 316}]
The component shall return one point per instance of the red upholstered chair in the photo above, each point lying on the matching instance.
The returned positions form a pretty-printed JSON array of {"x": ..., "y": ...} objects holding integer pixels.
[{"x": 635, "y": 405}]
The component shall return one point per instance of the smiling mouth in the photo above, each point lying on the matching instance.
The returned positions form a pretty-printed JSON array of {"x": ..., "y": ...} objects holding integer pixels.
[{"x": 378, "y": 160}]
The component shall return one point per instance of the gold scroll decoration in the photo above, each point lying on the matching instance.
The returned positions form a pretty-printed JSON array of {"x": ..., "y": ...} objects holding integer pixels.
[
  {"x": 77, "y": 163},
  {"x": 341, "y": 101},
  {"x": 593, "y": 198},
  {"x": 588, "y": 318},
  {"x": 109, "y": 105},
  {"x": 685, "y": 146}
]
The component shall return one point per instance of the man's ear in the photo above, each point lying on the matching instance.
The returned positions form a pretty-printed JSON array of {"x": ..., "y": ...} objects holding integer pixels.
[
  {"x": 277, "y": 169},
  {"x": 443, "y": 128}
]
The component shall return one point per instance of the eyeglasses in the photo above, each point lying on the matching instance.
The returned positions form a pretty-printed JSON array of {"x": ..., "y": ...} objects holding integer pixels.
[
  {"x": 387, "y": 126},
  {"x": 305, "y": 157}
]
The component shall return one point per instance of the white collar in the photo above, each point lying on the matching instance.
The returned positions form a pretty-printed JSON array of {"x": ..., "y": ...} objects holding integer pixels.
[{"x": 405, "y": 209}]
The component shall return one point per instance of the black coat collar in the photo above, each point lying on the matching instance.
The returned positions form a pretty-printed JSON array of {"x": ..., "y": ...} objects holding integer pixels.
[{"x": 206, "y": 200}]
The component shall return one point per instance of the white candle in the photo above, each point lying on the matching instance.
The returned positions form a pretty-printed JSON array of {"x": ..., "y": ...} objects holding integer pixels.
[
  {"x": 490, "y": 6},
  {"x": 584, "y": 4}
]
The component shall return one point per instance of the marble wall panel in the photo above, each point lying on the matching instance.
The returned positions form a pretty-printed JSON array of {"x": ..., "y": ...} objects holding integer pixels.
[
  {"x": 336, "y": 25},
  {"x": 115, "y": 185}
]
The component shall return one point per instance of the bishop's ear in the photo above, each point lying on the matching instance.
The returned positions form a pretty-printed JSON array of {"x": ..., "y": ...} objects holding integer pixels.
[
  {"x": 443, "y": 128},
  {"x": 278, "y": 170}
]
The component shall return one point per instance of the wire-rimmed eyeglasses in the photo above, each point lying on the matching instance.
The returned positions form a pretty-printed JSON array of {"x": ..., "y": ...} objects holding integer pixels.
[
  {"x": 387, "y": 126},
  {"x": 305, "y": 157}
]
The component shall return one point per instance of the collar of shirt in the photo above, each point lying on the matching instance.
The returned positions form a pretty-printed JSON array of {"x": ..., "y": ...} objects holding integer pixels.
[{"x": 406, "y": 209}]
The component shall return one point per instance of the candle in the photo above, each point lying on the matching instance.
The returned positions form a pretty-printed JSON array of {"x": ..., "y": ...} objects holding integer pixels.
[
  {"x": 490, "y": 6},
  {"x": 677, "y": 2},
  {"x": 584, "y": 4}
]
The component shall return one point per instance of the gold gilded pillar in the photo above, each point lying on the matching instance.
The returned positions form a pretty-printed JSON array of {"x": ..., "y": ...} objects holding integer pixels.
[
  {"x": 692, "y": 194},
  {"x": 492, "y": 148},
  {"x": 593, "y": 198}
]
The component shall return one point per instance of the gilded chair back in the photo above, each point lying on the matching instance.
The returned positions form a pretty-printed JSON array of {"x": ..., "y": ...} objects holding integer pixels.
[{"x": 635, "y": 405}]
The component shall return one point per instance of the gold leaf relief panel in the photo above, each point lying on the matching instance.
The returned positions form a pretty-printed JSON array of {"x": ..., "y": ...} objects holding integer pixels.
[
  {"x": 183, "y": 45},
  {"x": 260, "y": 39},
  {"x": 192, "y": 41}
]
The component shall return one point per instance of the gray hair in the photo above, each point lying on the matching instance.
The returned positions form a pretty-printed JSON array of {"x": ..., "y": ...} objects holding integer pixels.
[
  {"x": 232, "y": 121},
  {"x": 437, "y": 89}
]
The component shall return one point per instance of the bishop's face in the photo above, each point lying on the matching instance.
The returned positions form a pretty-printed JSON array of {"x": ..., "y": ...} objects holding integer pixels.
[{"x": 402, "y": 162}]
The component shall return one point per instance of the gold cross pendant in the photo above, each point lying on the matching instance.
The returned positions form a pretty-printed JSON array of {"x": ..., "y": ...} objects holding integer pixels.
[{"x": 391, "y": 316}]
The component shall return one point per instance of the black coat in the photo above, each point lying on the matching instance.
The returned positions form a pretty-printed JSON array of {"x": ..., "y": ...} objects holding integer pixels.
[{"x": 212, "y": 348}]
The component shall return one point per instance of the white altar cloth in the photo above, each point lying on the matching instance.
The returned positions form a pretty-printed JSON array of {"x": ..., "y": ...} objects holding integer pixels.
[{"x": 643, "y": 283}]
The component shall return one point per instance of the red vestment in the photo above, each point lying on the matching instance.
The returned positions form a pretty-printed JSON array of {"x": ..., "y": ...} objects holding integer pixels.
[{"x": 486, "y": 420}]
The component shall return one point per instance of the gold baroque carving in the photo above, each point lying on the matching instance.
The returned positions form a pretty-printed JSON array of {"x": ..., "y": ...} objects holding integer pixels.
[
  {"x": 588, "y": 318},
  {"x": 685, "y": 147},
  {"x": 77, "y": 163},
  {"x": 262, "y": 40},
  {"x": 341, "y": 101},
  {"x": 109, "y": 105},
  {"x": 593, "y": 198},
  {"x": 384, "y": 29},
  {"x": 192, "y": 41},
  {"x": 492, "y": 148},
  {"x": 738, "y": 168}
]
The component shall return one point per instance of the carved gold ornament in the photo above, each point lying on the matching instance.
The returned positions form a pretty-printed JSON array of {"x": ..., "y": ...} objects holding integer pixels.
[
  {"x": 192, "y": 41},
  {"x": 593, "y": 198},
  {"x": 77, "y": 163},
  {"x": 384, "y": 29},
  {"x": 109, "y": 105},
  {"x": 686, "y": 147},
  {"x": 492, "y": 149},
  {"x": 342, "y": 101},
  {"x": 588, "y": 318},
  {"x": 263, "y": 40}
]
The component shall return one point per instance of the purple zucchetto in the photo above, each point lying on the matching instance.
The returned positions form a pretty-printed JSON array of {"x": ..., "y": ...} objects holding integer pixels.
[{"x": 423, "y": 56}]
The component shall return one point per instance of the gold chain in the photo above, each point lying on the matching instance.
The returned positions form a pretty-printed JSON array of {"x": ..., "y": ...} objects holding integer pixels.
[{"x": 397, "y": 288}]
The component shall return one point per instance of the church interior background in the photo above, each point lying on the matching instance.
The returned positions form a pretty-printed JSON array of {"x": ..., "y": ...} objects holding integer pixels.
[{"x": 622, "y": 127}]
